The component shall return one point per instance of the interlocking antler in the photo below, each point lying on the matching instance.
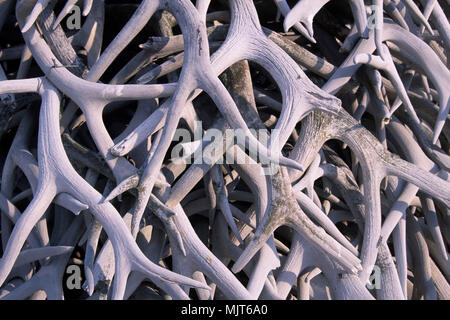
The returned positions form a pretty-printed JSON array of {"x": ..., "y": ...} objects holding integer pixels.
[{"x": 350, "y": 178}]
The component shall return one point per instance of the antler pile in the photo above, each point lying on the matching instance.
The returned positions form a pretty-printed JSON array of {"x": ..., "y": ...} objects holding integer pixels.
[{"x": 352, "y": 186}]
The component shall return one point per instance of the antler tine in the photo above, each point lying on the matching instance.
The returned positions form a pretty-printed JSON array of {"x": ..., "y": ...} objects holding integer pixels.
[
  {"x": 37, "y": 10},
  {"x": 303, "y": 180}
]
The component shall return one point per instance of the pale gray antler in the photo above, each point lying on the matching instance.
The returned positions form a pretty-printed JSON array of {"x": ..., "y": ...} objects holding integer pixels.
[{"x": 337, "y": 166}]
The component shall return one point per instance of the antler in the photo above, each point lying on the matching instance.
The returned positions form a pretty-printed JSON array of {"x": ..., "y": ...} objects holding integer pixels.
[{"x": 225, "y": 153}]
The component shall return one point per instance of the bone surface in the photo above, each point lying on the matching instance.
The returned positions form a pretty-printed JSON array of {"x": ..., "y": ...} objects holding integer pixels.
[{"x": 224, "y": 149}]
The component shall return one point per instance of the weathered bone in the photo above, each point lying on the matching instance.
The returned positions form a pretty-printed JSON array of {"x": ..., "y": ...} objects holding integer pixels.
[{"x": 363, "y": 162}]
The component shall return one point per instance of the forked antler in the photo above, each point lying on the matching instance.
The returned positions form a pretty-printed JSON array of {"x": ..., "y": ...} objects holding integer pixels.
[{"x": 349, "y": 184}]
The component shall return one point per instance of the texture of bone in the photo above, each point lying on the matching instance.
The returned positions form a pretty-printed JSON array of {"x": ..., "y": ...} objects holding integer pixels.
[{"x": 209, "y": 149}]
